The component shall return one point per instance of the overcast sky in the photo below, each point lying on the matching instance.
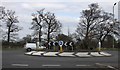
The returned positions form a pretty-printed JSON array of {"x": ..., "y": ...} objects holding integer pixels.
[{"x": 66, "y": 11}]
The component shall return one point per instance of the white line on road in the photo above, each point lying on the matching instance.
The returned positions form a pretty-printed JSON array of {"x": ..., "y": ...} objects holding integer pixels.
[
  {"x": 51, "y": 65},
  {"x": 20, "y": 65},
  {"x": 83, "y": 65},
  {"x": 106, "y": 66},
  {"x": 100, "y": 64},
  {"x": 111, "y": 67}
]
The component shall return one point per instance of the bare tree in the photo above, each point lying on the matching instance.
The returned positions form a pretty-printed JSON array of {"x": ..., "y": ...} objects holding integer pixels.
[
  {"x": 107, "y": 28},
  {"x": 37, "y": 23},
  {"x": 27, "y": 38},
  {"x": 2, "y": 12},
  {"x": 49, "y": 23},
  {"x": 9, "y": 20},
  {"x": 95, "y": 23},
  {"x": 88, "y": 21},
  {"x": 104, "y": 28},
  {"x": 116, "y": 27}
]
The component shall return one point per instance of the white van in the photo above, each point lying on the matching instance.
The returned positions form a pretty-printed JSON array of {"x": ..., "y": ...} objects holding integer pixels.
[{"x": 33, "y": 46}]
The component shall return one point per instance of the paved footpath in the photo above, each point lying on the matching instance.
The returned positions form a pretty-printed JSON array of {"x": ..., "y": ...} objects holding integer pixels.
[{"x": 68, "y": 54}]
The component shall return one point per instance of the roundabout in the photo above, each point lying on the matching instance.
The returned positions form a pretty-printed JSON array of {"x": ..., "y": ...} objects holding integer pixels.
[{"x": 67, "y": 54}]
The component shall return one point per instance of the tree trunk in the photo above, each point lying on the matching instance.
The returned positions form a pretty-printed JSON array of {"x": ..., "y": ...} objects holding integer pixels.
[
  {"x": 40, "y": 37},
  {"x": 87, "y": 45},
  {"x": 48, "y": 36},
  {"x": 101, "y": 41}
]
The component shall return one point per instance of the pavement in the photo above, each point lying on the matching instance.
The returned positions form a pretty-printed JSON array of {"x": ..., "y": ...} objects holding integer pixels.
[
  {"x": 68, "y": 54},
  {"x": 17, "y": 59}
]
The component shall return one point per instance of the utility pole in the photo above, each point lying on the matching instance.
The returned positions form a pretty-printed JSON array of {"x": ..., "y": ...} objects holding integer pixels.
[{"x": 113, "y": 23}]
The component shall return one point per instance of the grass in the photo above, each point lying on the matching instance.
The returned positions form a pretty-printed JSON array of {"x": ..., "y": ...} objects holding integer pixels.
[
  {"x": 16, "y": 48},
  {"x": 21, "y": 48},
  {"x": 110, "y": 49}
]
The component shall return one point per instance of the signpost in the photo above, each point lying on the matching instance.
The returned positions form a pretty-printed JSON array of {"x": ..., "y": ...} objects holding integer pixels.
[
  {"x": 61, "y": 44},
  {"x": 99, "y": 47}
]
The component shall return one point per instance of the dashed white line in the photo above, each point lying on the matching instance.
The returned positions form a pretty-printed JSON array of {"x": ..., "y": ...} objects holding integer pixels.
[
  {"x": 83, "y": 65},
  {"x": 99, "y": 64},
  {"x": 50, "y": 65},
  {"x": 20, "y": 65}
]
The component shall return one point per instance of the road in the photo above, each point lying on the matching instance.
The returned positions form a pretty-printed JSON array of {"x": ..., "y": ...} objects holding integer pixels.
[{"x": 17, "y": 59}]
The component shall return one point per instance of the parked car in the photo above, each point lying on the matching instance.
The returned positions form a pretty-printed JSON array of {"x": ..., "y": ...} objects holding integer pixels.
[{"x": 33, "y": 46}]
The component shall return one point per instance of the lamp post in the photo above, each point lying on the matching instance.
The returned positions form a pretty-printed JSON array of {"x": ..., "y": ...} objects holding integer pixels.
[{"x": 113, "y": 21}]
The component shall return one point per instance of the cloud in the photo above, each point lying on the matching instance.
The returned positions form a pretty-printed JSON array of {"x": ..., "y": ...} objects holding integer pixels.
[
  {"x": 26, "y": 5},
  {"x": 71, "y": 30},
  {"x": 49, "y": 5},
  {"x": 67, "y": 12},
  {"x": 60, "y": 0},
  {"x": 68, "y": 19},
  {"x": 43, "y": 5}
]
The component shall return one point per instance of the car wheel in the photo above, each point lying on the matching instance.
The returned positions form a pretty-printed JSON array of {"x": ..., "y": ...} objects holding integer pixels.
[{"x": 29, "y": 49}]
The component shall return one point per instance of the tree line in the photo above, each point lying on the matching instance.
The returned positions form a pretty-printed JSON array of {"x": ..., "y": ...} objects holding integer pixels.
[{"x": 95, "y": 25}]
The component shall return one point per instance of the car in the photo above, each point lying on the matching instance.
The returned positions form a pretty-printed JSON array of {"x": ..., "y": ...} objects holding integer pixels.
[{"x": 33, "y": 46}]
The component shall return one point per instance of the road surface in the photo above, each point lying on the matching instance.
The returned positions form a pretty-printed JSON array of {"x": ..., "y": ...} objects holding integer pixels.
[{"x": 17, "y": 59}]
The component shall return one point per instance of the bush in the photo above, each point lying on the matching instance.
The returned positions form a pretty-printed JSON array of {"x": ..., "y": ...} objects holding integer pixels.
[{"x": 5, "y": 44}]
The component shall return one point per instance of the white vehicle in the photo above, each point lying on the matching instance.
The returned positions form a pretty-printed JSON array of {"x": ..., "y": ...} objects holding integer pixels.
[{"x": 33, "y": 46}]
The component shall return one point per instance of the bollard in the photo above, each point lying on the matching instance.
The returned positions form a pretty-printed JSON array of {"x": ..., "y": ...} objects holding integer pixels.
[{"x": 61, "y": 50}]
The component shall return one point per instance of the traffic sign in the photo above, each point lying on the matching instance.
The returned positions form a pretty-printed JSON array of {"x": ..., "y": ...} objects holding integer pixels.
[
  {"x": 66, "y": 44},
  {"x": 60, "y": 43},
  {"x": 49, "y": 43},
  {"x": 54, "y": 43},
  {"x": 70, "y": 44}
]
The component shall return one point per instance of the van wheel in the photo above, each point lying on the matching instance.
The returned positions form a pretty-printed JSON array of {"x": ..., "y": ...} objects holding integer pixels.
[{"x": 29, "y": 49}]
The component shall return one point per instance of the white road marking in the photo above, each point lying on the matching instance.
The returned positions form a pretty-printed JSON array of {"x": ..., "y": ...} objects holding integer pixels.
[
  {"x": 38, "y": 53},
  {"x": 106, "y": 66},
  {"x": 82, "y": 54},
  {"x": 105, "y": 54},
  {"x": 67, "y": 54},
  {"x": 20, "y": 65},
  {"x": 110, "y": 67},
  {"x": 29, "y": 53},
  {"x": 96, "y": 54},
  {"x": 51, "y": 65},
  {"x": 51, "y": 54},
  {"x": 100, "y": 64},
  {"x": 83, "y": 65}
]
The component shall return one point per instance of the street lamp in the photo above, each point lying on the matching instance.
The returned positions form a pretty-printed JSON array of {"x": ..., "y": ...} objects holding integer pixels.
[
  {"x": 113, "y": 21},
  {"x": 113, "y": 9}
]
